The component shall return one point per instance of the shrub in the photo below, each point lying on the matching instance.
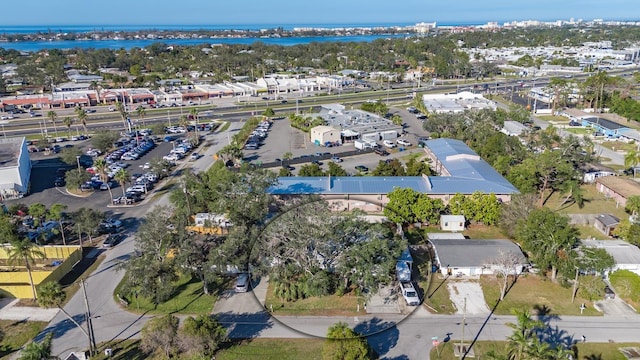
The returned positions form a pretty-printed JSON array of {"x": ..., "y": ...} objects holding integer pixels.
[{"x": 627, "y": 283}]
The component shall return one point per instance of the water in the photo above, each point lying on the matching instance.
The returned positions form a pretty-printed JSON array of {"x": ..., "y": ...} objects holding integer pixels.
[{"x": 140, "y": 43}]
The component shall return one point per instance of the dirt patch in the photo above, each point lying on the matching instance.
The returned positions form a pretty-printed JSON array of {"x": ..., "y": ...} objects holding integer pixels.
[{"x": 467, "y": 296}]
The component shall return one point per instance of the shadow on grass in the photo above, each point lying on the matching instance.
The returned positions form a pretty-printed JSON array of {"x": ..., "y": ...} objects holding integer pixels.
[
  {"x": 429, "y": 295},
  {"x": 81, "y": 267}
]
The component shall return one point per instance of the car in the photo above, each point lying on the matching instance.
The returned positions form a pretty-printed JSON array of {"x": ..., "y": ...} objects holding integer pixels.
[
  {"x": 111, "y": 108},
  {"x": 412, "y": 109},
  {"x": 403, "y": 142},
  {"x": 290, "y": 168},
  {"x": 381, "y": 152},
  {"x": 283, "y": 101},
  {"x": 242, "y": 283},
  {"x": 317, "y": 162},
  {"x": 421, "y": 116},
  {"x": 336, "y": 159},
  {"x": 389, "y": 144},
  {"x": 194, "y": 156},
  {"x": 112, "y": 240},
  {"x": 59, "y": 181},
  {"x": 608, "y": 293},
  {"x": 6, "y": 117},
  {"x": 112, "y": 222},
  {"x": 362, "y": 168}
]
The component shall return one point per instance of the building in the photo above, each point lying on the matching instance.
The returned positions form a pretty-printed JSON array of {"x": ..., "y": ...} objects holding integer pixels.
[
  {"x": 358, "y": 124},
  {"x": 600, "y": 125},
  {"x": 322, "y": 135},
  {"x": 605, "y": 223},
  {"x": 626, "y": 256},
  {"x": 15, "y": 168},
  {"x": 617, "y": 188},
  {"x": 456, "y": 103},
  {"x": 467, "y": 257},
  {"x": 513, "y": 128},
  {"x": 452, "y": 222},
  {"x": 461, "y": 171}
]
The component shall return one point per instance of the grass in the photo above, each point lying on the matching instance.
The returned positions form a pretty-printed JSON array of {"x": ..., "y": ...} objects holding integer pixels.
[
  {"x": 579, "y": 130},
  {"x": 267, "y": 349},
  {"x": 225, "y": 127},
  {"x": 16, "y": 334},
  {"x": 554, "y": 119},
  {"x": 595, "y": 203},
  {"x": 619, "y": 145},
  {"x": 331, "y": 305},
  {"x": 480, "y": 231},
  {"x": 437, "y": 297},
  {"x": 274, "y": 349},
  {"x": 606, "y": 351},
  {"x": 536, "y": 294},
  {"x": 188, "y": 299},
  {"x": 588, "y": 231}
]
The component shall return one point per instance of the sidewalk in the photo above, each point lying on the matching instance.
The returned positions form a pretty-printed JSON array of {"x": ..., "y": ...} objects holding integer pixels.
[{"x": 9, "y": 310}]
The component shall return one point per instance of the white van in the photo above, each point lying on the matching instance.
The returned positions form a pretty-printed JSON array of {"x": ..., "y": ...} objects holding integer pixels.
[{"x": 242, "y": 283}]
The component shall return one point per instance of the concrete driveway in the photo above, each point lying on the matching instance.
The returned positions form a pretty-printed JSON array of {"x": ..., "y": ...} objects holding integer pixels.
[
  {"x": 615, "y": 306},
  {"x": 468, "y": 297}
]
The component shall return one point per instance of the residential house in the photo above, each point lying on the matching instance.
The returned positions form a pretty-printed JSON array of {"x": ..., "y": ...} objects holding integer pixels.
[
  {"x": 626, "y": 256},
  {"x": 605, "y": 223},
  {"x": 617, "y": 188}
]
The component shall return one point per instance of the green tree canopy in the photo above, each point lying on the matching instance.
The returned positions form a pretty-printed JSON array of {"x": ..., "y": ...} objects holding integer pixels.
[{"x": 344, "y": 343}]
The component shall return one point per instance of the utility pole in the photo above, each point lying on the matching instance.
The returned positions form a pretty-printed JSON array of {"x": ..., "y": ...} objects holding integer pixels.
[
  {"x": 575, "y": 287},
  {"x": 91, "y": 337}
]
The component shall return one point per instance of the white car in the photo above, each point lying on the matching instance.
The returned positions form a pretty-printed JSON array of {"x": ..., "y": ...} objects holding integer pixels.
[
  {"x": 171, "y": 157},
  {"x": 403, "y": 142},
  {"x": 6, "y": 117},
  {"x": 389, "y": 144}
]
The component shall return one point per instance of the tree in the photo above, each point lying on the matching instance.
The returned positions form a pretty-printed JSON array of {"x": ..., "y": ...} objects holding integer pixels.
[
  {"x": 524, "y": 336},
  {"x": 122, "y": 177},
  {"x": 53, "y": 116},
  {"x": 268, "y": 112},
  {"x": 38, "y": 350},
  {"x": 25, "y": 252},
  {"x": 201, "y": 335},
  {"x": 86, "y": 222},
  {"x": 159, "y": 335},
  {"x": 38, "y": 212},
  {"x": 549, "y": 239},
  {"x": 103, "y": 139},
  {"x": 194, "y": 114},
  {"x": 629, "y": 231},
  {"x": 389, "y": 168},
  {"x": 68, "y": 121},
  {"x": 75, "y": 179},
  {"x": 633, "y": 205},
  {"x": 70, "y": 155},
  {"x": 124, "y": 115},
  {"x": 56, "y": 212},
  {"x": 310, "y": 170},
  {"x": 50, "y": 295},
  {"x": 102, "y": 170},
  {"x": 335, "y": 170},
  {"x": 573, "y": 191},
  {"x": 344, "y": 343},
  {"x": 141, "y": 113},
  {"x": 631, "y": 160},
  {"x": 400, "y": 208},
  {"x": 427, "y": 210},
  {"x": 505, "y": 265},
  {"x": 82, "y": 116},
  {"x": 418, "y": 168}
]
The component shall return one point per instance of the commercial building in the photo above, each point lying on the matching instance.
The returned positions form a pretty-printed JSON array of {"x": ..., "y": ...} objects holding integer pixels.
[
  {"x": 321, "y": 135},
  {"x": 15, "y": 168},
  {"x": 456, "y": 103},
  {"x": 358, "y": 124}
]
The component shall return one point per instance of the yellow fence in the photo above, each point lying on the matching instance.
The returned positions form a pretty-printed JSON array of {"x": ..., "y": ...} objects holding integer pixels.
[{"x": 14, "y": 280}]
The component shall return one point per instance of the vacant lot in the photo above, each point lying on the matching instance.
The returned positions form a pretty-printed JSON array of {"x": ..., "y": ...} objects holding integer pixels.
[
  {"x": 537, "y": 294},
  {"x": 594, "y": 203},
  {"x": 16, "y": 334},
  {"x": 332, "y": 305}
]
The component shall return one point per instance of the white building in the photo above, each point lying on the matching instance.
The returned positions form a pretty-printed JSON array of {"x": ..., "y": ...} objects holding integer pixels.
[
  {"x": 456, "y": 103},
  {"x": 626, "y": 256},
  {"x": 15, "y": 168},
  {"x": 320, "y": 135}
]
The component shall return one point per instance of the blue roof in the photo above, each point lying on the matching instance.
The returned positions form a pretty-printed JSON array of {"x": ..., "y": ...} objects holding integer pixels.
[
  {"x": 469, "y": 173},
  {"x": 603, "y": 123}
]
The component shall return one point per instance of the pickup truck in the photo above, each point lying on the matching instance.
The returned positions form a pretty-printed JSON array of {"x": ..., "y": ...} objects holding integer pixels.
[{"x": 409, "y": 293}]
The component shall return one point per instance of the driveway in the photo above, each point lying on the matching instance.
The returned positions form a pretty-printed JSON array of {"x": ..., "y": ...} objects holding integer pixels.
[
  {"x": 615, "y": 306},
  {"x": 467, "y": 296}
]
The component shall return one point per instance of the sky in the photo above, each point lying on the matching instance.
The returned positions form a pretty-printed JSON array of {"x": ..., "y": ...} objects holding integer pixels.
[{"x": 223, "y": 12}]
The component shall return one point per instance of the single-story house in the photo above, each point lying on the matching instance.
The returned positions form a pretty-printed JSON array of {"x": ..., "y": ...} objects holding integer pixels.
[
  {"x": 617, "y": 188},
  {"x": 469, "y": 257},
  {"x": 452, "y": 222},
  {"x": 626, "y": 256},
  {"x": 606, "y": 223},
  {"x": 591, "y": 176},
  {"x": 607, "y": 127},
  {"x": 322, "y": 135},
  {"x": 513, "y": 128}
]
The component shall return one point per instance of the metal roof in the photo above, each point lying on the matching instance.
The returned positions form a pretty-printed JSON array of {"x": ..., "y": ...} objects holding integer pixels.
[
  {"x": 10, "y": 150},
  {"x": 603, "y": 123},
  {"x": 467, "y": 252},
  {"x": 607, "y": 219}
]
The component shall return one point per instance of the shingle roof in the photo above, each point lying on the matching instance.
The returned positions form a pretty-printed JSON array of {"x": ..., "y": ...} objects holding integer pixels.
[
  {"x": 466, "y": 252},
  {"x": 623, "y": 253},
  {"x": 607, "y": 219},
  {"x": 622, "y": 186}
]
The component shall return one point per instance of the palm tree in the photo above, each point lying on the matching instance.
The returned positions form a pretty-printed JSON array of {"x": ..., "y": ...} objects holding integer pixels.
[
  {"x": 123, "y": 114},
  {"x": 632, "y": 159},
  {"x": 194, "y": 112},
  {"x": 53, "y": 116},
  {"x": 633, "y": 204},
  {"x": 67, "y": 121},
  {"x": 56, "y": 212},
  {"x": 82, "y": 117},
  {"x": 524, "y": 335},
  {"x": 122, "y": 177},
  {"x": 141, "y": 113},
  {"x": 573, "y": 191},
  {"x": 102, "y": 169},
  {"x": 38, "y": 350},
  {"x": 25, "y": 252}
]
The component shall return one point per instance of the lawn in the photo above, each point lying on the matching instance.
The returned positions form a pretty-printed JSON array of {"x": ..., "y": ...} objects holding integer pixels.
[
  {"x": 604, "y": 351},
  {"x": 618, "y": 145},
  {"x": 579, "y": 130},
  {"x": 536, "y": 294},
  {"x": 589, "y": 231},
  {"x": 480, "y": 231},
  {"x": 554, "y": 119},
  {"x": 594, "y": 203},
  {"x": 275, "y": 349},
  {"x": 437, "y": 298},
  {"x": 332, "y": 305},
  {"x": 16, "y": 334},
  {"x": 188, "y": 299}
]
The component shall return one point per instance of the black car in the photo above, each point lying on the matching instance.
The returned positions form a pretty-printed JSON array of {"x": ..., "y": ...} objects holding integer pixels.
[
  {"x": 317, "y": 162},
  {"x": 608, "y": 293},
  {"x": 59, "y": 181},
  {"x": 362, "y": 168},
  {"x": 112, "y": 240}
]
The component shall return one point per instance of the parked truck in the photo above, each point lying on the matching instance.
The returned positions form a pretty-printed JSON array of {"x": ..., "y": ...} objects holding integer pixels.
[{"x": 409, "y": 293}]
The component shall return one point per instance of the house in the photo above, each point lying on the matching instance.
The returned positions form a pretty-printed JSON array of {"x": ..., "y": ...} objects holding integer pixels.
[
  {"x": 452, "y": 222},
  {"x": 600, "y": 125},
  {"x": 15, "y": 168},
  {"x": 626, "y": 256},
  {"x": 468, "y": 257},
  {"x": 591, "y": 176},
  {"x": 513, "y": 128},
  {"x": 606, "y": 223},
  {"x": 617, "y": 188},
  {"x": 322, "y": 135}
]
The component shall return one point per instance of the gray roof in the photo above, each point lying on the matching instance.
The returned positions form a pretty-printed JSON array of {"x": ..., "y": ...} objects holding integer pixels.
[
  {"x": 466, "y": 252},
  {"x": 443, "y": 236},
  {"x": 514, "y": 127},
  {"x": 362, "y": 122},
  {"x": 622, "y": 252},
  {"x": 607, "y": 219},
  {"x": 10, "y": 149}
]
